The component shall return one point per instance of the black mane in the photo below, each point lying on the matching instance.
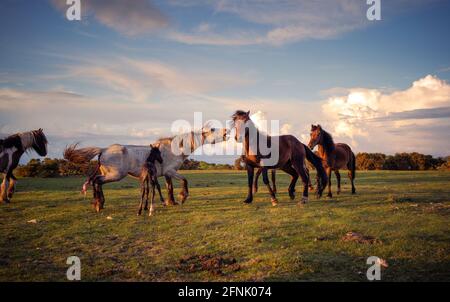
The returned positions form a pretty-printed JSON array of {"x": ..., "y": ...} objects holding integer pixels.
[{"x": 327, "y": 141}]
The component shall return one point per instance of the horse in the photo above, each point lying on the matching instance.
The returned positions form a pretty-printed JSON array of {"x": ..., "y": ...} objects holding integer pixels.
[
  {"x": 118, "y": 161},
  {"x": 334, "y": 157},
  {"x": 11, "y": 150},
  {"x": 149, "y": 175},
  {"x": 291, "y": 159}
]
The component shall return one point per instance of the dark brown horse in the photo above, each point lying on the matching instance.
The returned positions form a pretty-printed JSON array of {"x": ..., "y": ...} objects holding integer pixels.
[
  {"x": 334, "y": 156},
  {"x": 11, "y": 149},
  {"x": 286, "y": 153}
]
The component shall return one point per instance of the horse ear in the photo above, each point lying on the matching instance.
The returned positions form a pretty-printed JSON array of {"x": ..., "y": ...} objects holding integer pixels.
[
  {"x": 248, "y": 113},
  {"x": 157, "y": 145},
  {"x": 320, "y": 127}
]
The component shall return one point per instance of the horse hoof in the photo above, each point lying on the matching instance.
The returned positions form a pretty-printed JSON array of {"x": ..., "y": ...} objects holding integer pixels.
[
  {"x": 248, "y": 201},
  {"x": 171, "y": 203},
  {"x": 274, "y": 202},
  {"x": 304, "y": 200},
  {"x": 353, "y": 192},
  {"x": 329, "y": 195},
  {"x": 338, "y": 192},
  {"x": 6, "y": 201}
]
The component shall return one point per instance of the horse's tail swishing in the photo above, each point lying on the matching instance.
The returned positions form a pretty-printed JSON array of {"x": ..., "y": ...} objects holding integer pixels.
[
  {"x": 82, "y": 155},
  {"x": 352, "y": 173},
  {"x": 316, "y": 161}
]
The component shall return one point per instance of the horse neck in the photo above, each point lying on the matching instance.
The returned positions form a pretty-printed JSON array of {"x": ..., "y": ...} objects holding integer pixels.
[
  {"x": 27, "y": 139},
  {"x": 326, "y": 146},
  {"x": 253, "y": 140}
]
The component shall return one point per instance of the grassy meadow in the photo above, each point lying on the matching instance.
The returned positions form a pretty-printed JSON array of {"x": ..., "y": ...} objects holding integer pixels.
[{"x": 215, "y": 237}]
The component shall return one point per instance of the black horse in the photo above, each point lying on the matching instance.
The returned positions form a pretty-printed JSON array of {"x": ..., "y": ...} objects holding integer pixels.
[{"x": 11, "y": 150}]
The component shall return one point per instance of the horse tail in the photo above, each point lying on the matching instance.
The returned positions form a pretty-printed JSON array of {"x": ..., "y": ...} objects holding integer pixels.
[
  {"x": 82, "y": 155},
  {"x": 353, "y": 167},
  {"x": 316, "y": 161}
]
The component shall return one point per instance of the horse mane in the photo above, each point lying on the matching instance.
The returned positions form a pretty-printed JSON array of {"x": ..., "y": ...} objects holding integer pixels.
[
  {"x": 328, "y": 142},
  {"x": 190, "y": 136}
]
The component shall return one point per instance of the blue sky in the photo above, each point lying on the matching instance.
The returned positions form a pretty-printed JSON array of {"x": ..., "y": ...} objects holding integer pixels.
[{"x": 128, "y": 69}]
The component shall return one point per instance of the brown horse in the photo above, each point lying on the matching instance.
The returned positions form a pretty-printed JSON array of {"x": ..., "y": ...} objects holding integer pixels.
[
  {"x": 334, "y": 156},
  {"x": 286, "y": 153}
]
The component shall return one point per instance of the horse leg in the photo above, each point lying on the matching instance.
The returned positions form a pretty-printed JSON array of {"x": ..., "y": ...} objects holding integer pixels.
[
  {"x": 255, "y": 182},
  {"x": 267, "y": 183},
  {"x": 250, "y": 175},
  {"x": 352, "y": 172},
  {"x": 12, "y": 186},
  {"x": 98, "y": 183},
  {"x": 311, "y": 188},
  {"x": 146, "y": 191},
  {"x": 142, "y": 195},
  {"x": 169, "y": 186},
  {"x": 159, "y": 190},
  {"x": 328, "y": 171},
  {"x": 294, "y": 177},
  {"x": 274, "y": 183},
  {"x": 185, "y": 192},
  {"x": 338, "y": 177},
  {"x": 153, "y": 196},
  {"x": 299, "y": 166},
  {"x": 4, "y": 189}
]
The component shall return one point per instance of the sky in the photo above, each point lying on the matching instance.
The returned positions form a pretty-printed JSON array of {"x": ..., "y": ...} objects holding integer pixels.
[{"x": 128, "y": 69}]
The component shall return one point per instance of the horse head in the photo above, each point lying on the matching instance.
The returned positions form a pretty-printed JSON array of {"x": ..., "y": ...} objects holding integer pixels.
[{"x": 315, "y": 136}]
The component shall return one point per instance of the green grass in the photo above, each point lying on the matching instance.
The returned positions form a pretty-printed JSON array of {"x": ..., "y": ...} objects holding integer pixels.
[{"x": 408, "y": 212}]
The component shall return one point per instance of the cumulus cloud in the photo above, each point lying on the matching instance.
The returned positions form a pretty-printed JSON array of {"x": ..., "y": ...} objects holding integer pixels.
[
  {"x": 131, "y": 17},
  {"x": 369, "y": 115}
]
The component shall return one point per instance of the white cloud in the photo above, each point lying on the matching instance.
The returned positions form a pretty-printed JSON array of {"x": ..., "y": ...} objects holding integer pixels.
[{"x": 371, "y": 117}]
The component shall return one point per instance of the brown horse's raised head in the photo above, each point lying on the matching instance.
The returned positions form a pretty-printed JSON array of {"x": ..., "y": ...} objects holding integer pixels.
[
  {"x": 315, "y": 136},
  {"x": 239, "y": 119}
]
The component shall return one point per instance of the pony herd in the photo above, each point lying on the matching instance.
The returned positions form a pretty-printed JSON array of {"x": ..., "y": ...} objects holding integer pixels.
[{"x": 147, "y": 163}]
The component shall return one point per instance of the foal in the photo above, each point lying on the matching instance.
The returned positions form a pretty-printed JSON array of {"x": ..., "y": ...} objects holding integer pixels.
[{"x": 148, "y": 175}]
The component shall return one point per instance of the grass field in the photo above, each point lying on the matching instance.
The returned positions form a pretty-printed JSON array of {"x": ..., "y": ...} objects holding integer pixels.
[{"x": 216, "y": 237}]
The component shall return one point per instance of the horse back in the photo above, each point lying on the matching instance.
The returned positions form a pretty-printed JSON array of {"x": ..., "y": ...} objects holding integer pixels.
[{"x": 343, "y": 155}]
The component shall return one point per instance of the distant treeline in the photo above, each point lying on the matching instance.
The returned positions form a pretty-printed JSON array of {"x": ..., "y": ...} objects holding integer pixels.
[
  {"x": 364, "y": 161},
  {"x": 401, "y": 161}
]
